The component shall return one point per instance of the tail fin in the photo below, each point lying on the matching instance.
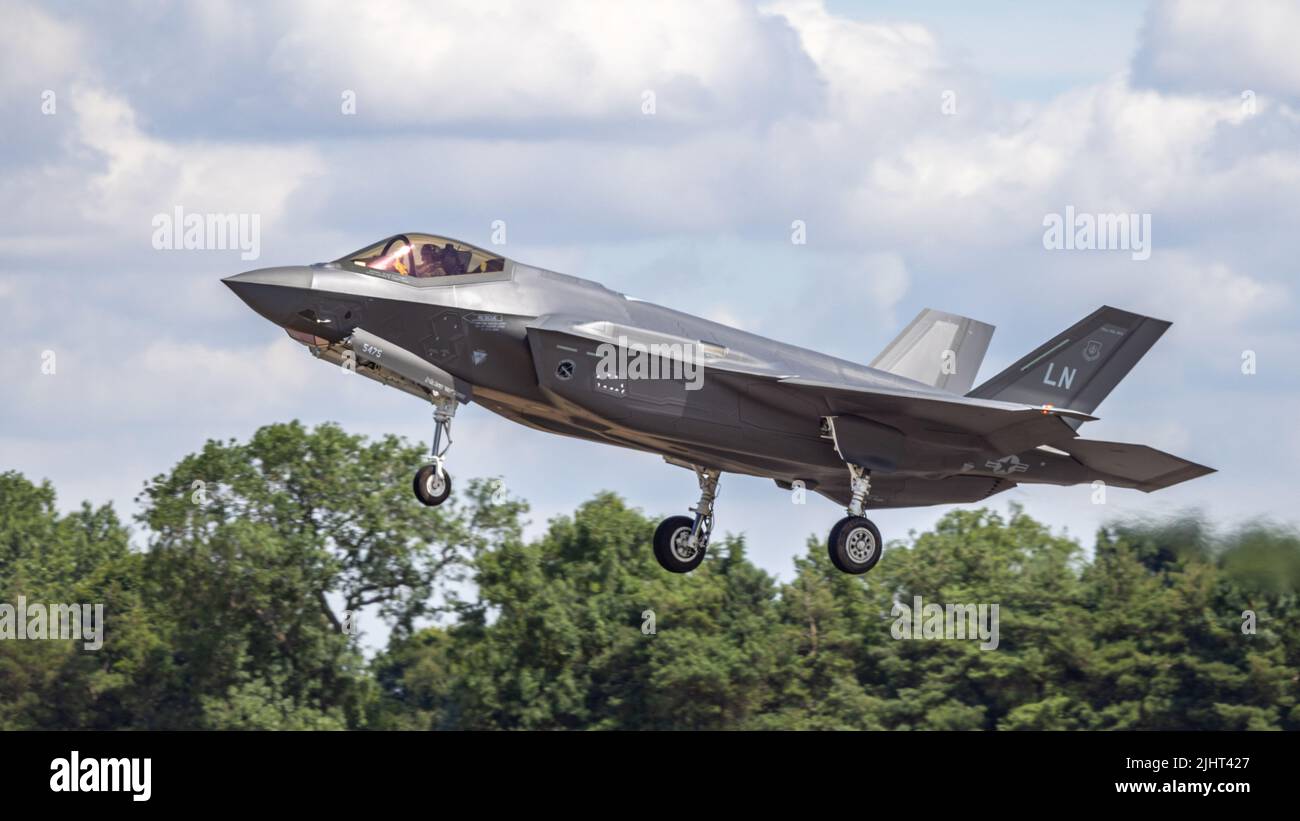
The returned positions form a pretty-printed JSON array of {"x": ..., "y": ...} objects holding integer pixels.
[
  {"x": 940, "y": 349},
  {"x": 1078, "y": 368}
]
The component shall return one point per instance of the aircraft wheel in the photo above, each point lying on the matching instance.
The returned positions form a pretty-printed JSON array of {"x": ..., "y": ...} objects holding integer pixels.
[
  {"x": 432, "y": 485},
  {"x": 855, "y": 545},
  {"x": 672, "y": 545}
]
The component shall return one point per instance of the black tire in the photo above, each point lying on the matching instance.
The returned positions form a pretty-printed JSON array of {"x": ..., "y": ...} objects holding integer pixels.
[
  {"x": 671, "y": 551},
  {"x": 431, "y": 490},
  {"x": 855, "y": 545}
]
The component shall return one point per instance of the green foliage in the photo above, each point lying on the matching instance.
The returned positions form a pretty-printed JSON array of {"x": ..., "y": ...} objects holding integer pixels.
[{"x": 232, "y": 614}]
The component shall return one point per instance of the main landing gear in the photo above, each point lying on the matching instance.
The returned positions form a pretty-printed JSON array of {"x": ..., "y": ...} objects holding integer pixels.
[
  {"x": 854, "y": 543},
  {"x": 680, "y": 541},
  {"x": 432, "y": 482}
]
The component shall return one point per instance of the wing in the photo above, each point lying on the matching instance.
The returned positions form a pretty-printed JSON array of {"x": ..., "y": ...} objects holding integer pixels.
[
  {"x": 985, "y": 425},
  {"x": 951, "y": 421}
]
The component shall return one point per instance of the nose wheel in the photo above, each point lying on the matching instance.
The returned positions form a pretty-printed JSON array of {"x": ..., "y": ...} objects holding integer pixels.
[
  {"x": 680, "y": 541},
  {"x": 854, "y": 544},
  {"x": 432, "y": 483}
]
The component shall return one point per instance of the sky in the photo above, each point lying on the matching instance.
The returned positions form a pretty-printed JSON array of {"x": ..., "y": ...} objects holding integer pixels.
[{"x": 922, "y": 146}]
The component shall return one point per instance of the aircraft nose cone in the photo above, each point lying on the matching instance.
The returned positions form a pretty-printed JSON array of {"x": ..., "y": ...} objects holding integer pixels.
[{"x": 275, "y": 293}]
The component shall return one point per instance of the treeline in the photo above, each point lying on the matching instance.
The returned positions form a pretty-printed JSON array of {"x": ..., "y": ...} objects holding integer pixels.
[{"x": 240, "y": 613}]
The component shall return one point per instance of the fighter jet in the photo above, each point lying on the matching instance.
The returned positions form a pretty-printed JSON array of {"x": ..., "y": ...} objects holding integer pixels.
[{"x": 452, "y": 323}]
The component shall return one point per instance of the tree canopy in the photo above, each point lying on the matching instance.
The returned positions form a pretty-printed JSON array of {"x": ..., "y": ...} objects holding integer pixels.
[{"x": 237, "y": 609}]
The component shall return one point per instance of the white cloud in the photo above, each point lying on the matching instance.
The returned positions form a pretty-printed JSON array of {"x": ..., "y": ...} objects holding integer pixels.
[
  {"x": 563, "y": 60},
  {"x": 1221, "y": 46},
  {"x": 159, "y": 381},
  {"x": 532, "y": 114},
  {"x": 41, "y": 52},
  {"x": 142, "y": 176},
  {"x": 863, "y": 63}
]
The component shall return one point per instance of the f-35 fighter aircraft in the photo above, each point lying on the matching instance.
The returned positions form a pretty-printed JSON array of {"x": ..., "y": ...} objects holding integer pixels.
[{"x": 450, "y": 323}]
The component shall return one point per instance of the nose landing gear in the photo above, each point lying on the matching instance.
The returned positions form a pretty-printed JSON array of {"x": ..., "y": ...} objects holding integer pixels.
[
  {"x": 680, "y": 541},
  {"x": 432, "y": 483}
]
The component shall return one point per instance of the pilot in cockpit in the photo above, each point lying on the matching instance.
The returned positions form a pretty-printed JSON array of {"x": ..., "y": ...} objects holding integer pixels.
[{"x": 430, "y": 262}]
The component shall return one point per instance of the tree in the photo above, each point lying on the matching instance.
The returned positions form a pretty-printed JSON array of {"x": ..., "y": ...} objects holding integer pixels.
[
  {"x": 259, "y": 554},
  {"x": 265, "y": 552},
  {"x": 1168, "y": 649},
  {"x": 81, "y": 557},
  {"x": 582, "y": 630}
]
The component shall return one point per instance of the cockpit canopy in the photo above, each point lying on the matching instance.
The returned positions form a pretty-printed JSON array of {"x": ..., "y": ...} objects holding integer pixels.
[{"x": 424, "y": 255}]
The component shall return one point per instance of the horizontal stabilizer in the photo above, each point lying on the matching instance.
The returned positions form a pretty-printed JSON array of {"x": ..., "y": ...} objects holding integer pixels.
[
  {"x": 939, "y": 349},
  {"x": 1136, "y": 466}
]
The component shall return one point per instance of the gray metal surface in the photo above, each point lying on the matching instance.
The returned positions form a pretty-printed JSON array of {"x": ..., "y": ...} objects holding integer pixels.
[{"x": 527, "y": 344}]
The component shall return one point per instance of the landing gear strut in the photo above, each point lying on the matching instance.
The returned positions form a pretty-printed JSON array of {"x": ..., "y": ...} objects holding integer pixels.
[
  {"x": 854, "y": 543},
  {"x": 680, "y": 541},
  {"x": 432, "y": 482}
]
